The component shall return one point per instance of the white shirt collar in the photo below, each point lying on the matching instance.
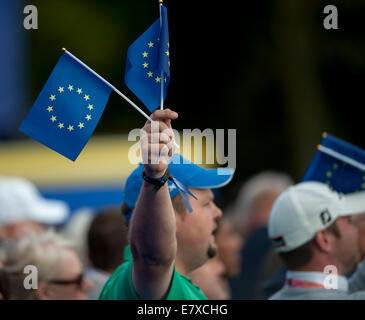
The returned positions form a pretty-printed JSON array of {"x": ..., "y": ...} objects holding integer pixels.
[{"x": 317, "y": 277}]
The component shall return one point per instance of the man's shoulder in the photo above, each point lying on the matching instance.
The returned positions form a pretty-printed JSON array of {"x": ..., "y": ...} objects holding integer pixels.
[{"x": 290, "y": 293}]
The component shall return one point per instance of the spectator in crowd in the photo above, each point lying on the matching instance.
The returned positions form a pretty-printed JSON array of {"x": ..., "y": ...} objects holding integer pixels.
[
  {"x": 23, "y": 210},
  {"x": 311, "y": 227},
  {"x": 106, "y": 240},
  {"x": 230, "y": 243},
  {"x": 210, "y": 278},
  {"x": 76, "y": 230},
  {"x": 251, "y": 215},
  {"x": 56, "y": 272},
  {"x": 166, "y": 241}
]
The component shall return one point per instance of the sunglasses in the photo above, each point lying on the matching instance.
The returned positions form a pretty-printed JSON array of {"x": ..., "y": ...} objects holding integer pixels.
[{"x": 78, "y": 281}]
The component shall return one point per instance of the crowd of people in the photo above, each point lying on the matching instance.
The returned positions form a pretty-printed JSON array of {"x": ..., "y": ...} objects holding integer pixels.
[{"x": 169, "y": 240}]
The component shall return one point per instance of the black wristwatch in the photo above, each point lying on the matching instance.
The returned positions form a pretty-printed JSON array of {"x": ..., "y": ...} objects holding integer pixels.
[{"x": 159, "y": 182}]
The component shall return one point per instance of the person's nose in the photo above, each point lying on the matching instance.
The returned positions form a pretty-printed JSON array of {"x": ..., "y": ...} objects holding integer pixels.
[{"x": 217, "y": 212}]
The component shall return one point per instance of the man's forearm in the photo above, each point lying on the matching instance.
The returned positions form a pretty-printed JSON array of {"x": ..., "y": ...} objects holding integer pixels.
[{"x": 153, "y": 227}]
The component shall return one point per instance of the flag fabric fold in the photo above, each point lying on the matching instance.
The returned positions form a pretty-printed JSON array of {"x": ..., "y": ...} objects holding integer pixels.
[
  {"x": 339, "y": 164},
  {"x": 148, "y": 63},
  {"x": 68, "y": 108}
]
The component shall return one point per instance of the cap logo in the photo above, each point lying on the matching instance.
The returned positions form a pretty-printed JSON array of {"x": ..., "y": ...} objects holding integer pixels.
[
  {"x": 278, "y": 242},
  {"x": 325, "y": 217}
]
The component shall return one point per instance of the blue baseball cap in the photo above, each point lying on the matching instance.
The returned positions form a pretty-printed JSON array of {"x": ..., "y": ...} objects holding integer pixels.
[{"x": 183, "y": 170}]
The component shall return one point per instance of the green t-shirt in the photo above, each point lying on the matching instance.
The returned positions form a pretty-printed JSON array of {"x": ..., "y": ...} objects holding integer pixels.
[{"x": 120, "y": 287}]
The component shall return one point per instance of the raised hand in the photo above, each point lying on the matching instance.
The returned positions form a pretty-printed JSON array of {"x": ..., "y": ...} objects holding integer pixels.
[{"x": 157, "y": 142}]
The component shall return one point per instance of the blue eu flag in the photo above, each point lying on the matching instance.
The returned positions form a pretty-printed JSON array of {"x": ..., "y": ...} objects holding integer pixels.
[
  {"x": 68, "y": 109},
  {"x": 148, "y": 63},
  {"x": 339, "y": 164}
]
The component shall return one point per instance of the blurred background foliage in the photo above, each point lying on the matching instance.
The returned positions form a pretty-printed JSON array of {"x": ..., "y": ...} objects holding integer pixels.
[{"x": 266, "y": 68}]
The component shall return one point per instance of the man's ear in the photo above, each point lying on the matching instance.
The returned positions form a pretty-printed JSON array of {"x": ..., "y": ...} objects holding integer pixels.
[
  {"x": 43, "y": 292},
  {"x": 324, "y": 240}
]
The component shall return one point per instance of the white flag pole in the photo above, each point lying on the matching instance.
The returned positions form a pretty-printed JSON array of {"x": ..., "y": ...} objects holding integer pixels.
[
  {"x": 341, "y": 157},
  {"x": 161, "y": 105}
]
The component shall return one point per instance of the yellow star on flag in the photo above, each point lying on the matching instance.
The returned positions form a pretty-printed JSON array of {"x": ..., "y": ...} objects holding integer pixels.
[
  {"x": 49, "y": 109},
  {"x": 167, "y": 52},
  {"x": 70, "y": 128},
  {"x": 70, "y": 87},
  {"x": 79, "y": 91},
  {"x": 145, "y": 65},
  {"x": 90, "y": 107},
  {"x": 150, "y": 74},
  {"x": 158, "y": 79},
  {"x": 88, "y": 117},
  {"x": 86, "y": 97},
  {"x": 53, "y": 118},
  {"x": 60, "y": 89},
  {"x": 52, "y": 97},
  {"x": 145, "y": 54},
  {"x": 81, "y": 125},
  {"x": 150, "y": 44},
  {"x": 60, "y": 125}
]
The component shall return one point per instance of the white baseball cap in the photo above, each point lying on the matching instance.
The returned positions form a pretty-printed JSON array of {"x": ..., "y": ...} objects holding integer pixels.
[
  {"x": 302, "y": 210},
  {"x": 20, "y": 200}
]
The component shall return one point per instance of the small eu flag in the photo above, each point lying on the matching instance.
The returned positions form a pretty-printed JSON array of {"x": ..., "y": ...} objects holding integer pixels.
[
  {"x": 148, "y": 63},
  {"x": 68, "y": 109},
  {"x": 339, "y": 164}
]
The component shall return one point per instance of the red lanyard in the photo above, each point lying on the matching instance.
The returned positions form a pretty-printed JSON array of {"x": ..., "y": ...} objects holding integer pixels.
[{"x": 302, "y": 284}]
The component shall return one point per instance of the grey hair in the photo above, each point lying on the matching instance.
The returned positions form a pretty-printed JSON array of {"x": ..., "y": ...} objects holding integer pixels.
[
  {"x": 264, "y": 182},
  {"x": 43, "y": 250}
]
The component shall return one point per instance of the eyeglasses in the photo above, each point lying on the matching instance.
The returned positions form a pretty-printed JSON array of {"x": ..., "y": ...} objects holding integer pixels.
[{"x": 78, "y": 281}]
